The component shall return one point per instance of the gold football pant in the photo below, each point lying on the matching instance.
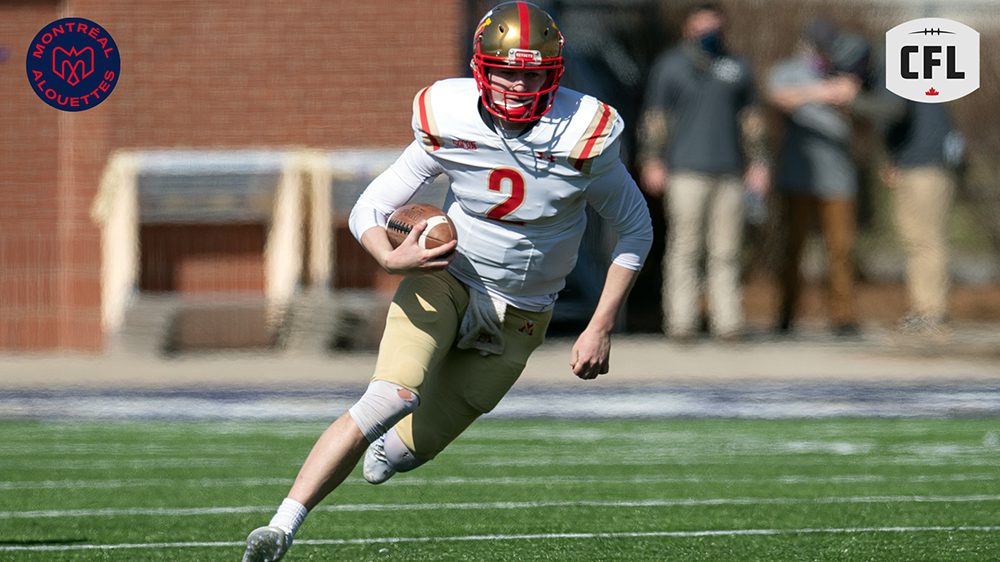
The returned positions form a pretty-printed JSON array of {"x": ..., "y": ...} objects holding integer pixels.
[{"x": 455, "y": 386}]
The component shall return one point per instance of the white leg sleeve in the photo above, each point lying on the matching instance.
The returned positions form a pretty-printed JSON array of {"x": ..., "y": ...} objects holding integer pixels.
[
  {"x": 398, "y": 455},
  {"x": 381, "y": 406}
]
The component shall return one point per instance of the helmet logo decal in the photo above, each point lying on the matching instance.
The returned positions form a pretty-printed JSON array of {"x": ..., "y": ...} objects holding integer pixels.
[
  {"x": 521, "y": 56},
  {"x": 486, "y": 23}
]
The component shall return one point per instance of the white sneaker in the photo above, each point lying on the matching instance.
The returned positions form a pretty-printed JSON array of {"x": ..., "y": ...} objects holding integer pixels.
[
  {"x": 923, "y": 326},
  {"x": 376, "y": 468},
  {"x": 267, "y": 544}
]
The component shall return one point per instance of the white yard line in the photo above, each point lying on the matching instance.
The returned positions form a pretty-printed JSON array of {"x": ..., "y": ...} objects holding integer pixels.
[
  {"x": 989, "y": 460},
  {"x": 656, "y": 502},
  {"x": 614, "y": 457},
  {"x": 486, "y": 481},
  {"x": 141, "y": 483},
  {"x": 119, "y": 463},
  {"x": 509, "y": 537}
]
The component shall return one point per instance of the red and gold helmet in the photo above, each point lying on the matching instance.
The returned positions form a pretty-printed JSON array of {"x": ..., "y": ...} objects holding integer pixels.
[{"x": 517, "y": 35}]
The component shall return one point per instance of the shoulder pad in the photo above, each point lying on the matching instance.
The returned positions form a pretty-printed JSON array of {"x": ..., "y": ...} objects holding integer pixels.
[
  {"x": 600, "y": 134},
  {"x": 424, "y": 125}
]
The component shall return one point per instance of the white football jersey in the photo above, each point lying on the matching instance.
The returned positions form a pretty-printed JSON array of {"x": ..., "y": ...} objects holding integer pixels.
[{"x": 518, "y": 204}]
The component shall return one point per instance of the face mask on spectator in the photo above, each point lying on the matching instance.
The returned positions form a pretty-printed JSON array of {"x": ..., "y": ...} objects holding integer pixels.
[{"x": 711, "y": 43}]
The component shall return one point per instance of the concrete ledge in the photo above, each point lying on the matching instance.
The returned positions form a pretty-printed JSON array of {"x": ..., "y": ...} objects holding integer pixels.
[{"x": 971, "y": 353}]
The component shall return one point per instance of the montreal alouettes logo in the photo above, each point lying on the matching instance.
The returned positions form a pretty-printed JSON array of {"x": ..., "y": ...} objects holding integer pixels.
[
  {"x": 73, "y": 64},
  {"x": 932, "y": 60}
]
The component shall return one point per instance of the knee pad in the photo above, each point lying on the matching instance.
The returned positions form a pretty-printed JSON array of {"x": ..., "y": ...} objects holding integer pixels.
[
  {"x": 381, "y": 406},
  {"x": 398, "y": 455}
]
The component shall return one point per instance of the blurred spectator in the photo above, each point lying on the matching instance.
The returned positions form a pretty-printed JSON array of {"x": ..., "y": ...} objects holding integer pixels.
[
  {"x": 830, "y": 80},
  {"x": 698, "y": 132},
  {"x": 924, "y": 149}
]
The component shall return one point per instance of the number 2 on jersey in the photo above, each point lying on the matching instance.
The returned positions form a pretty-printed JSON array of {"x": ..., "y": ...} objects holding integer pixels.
[{"x": 515, "y": 180}]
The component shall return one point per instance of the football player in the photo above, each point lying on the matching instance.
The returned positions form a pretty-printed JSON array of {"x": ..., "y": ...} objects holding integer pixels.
[{"x": 524, "y": 158}]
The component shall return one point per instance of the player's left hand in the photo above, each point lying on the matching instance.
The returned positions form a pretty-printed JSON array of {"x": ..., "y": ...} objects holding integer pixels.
[
  {"x": 757, "y": 178},
  {"x": 590, "y": 355},
  {"x": 890, "y": 176},
  {"x": 841, "y": 89}
]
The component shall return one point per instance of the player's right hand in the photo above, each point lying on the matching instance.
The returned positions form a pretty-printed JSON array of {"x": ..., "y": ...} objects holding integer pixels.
[{"x": 410, "y": 258}]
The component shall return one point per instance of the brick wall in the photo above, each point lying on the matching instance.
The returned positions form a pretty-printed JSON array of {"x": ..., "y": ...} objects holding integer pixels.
[
  {"x": 194, "y": 74},
  {"x": 29, "y": 191}
]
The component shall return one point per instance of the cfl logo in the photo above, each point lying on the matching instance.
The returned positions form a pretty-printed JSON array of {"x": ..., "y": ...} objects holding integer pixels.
[{"x": 932, "y": 60}]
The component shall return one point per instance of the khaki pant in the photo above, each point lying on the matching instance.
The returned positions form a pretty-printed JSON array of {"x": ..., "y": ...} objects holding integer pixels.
[
  {"x": 839, "y": 226},
  {"x": 455, "y": 386},
  {"x": 922, "y": 199},
  {"x": 703, "y": 209}
]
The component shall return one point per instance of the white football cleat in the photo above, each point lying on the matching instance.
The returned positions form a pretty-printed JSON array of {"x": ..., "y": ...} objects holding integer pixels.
[
  {"x": 267, "y": 544},
  {"x": 376, "y": 468}
]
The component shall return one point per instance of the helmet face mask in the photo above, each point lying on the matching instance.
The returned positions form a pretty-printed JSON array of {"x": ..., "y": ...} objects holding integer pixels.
[{"x": 517, "y": 36}]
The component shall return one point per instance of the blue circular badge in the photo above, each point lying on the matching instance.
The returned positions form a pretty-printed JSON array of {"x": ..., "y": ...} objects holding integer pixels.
[{"x": 73, "y": 64}]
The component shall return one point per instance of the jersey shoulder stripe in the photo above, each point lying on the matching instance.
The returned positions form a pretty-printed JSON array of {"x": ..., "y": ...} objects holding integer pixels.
[
  {"x": 424, "y": 122},
  {"x": 595, "y": 138}
]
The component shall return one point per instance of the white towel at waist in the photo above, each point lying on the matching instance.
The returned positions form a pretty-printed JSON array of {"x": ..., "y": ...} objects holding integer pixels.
[{"x": 482, "y": 325}]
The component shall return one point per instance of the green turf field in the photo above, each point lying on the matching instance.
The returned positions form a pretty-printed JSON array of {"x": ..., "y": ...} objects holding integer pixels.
[{"x": 859, "y": 489}]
